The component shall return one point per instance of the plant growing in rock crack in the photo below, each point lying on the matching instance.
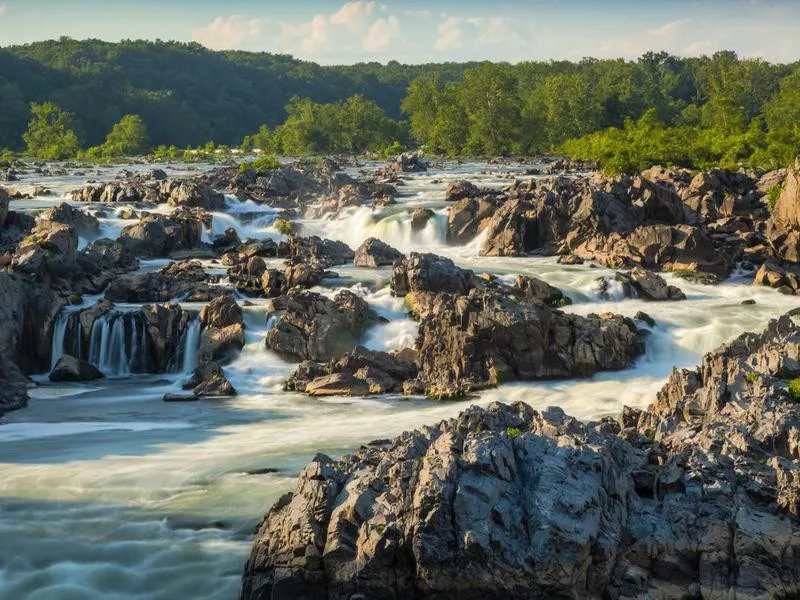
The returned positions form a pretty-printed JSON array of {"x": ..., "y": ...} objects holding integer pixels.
[
  {"x": 513, "y": 432},
  {"x": 285, "y": 227},
  {"x": 794, "y": 389}
]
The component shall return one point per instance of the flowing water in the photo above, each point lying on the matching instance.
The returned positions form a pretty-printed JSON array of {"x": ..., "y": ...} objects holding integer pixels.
[{"x": 108, "y": 492}]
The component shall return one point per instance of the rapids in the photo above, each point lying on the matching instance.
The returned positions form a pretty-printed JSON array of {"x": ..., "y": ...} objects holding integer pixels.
[{"x": 108, "y": 492}]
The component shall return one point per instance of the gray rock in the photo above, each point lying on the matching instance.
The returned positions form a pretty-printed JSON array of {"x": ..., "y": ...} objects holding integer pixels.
[
  {"x": 69, "y": 368},
  {"x": 374, "y": 253}
]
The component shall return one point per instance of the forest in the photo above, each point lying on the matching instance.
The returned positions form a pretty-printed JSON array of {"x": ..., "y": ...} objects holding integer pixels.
[{"x": 64, "y": 97}]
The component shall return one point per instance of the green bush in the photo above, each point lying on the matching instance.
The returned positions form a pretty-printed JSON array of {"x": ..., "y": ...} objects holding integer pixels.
[
  {"x": 750, "y": 377},
  {"x": 513, "y": 432},
  {"x": 261, "y": 164},
  {"x": 794, "y": 389},
  {"x": 285, "y": 227},
  {"x": 772, "y": 196}
]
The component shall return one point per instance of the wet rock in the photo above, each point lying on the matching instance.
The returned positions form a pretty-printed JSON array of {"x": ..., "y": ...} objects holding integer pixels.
[
  {"x": 85, "y": 224},
  {"x": 180, "y": 398},
  {"x": 486, "y": 338},
  {"x": 569, "y": 259},
  {"x": 14, "y": 391},
  {"x": 165, "y": 324},
  {"x": 374, "y": 253},
  {"x": 208, "y": 380},
  {"x": 420, "y": 218},
  {"x": 650, "y": 286},
  {"x": 100, "y": 263},
  {"x": 645, "y": 318},
  {"x": 360, "y": 372},
  {"x": 776, "y": 276},
  {"x": 430, "y": 273},
  {"x": 536, "y": 289},
  {"x": 69, "y": 368},
  {"x": 409, "y": 162},
  {"x": 470, "y": 216},
  {"x": 125, "y": 192},
  {"x": 227, "y": 241},
  {"x": 319, "y": 252},
  {"x": 156, "y": 235},
  {"x": 176, "y": 280},
  {"x": 222, "y": 312},
  {"x": 221, "y": 344},
  {"x": 460, "y": 189},
  {"x": 314, "y": 327},
  {"x": 191, "y": 193}
]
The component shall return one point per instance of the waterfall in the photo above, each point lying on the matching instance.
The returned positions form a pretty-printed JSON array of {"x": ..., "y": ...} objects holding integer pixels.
[
  {"x": 190, "y": 345},
  {"x": 66, "y": 337},
  {"x": 118, "y": 343}
]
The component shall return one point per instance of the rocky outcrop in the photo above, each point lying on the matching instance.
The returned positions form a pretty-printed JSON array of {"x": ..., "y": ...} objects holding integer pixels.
[
  {"x": 697, "y": 497},
  {"x": 165, "y": 325},
  {"x": 408, "y": 162},
  {"x": 3, "y": 207},
  {"x": 85, "y": 224},
  {"x": 127, "y": 192},
  {"x": 360, "y": 372},
  {"x": 420, "y": 218},
  {"x": 430, "y": 273},
  {"x": 469, "y": 217},
  {"x": 318, "y": 252},
  {"x": 533, "y": 288},
  {"x": 208, "y": 381},
  {"x": 460, "y": 189},
  {"x": 317, "y": 328},
  {"x": 157, "y": 235},
  {"x": 785, "y": 279},
  {"x": 223, "y": 332},
  {"x": 185, "y": 279},
  {"x": 102, "y": 262},
  {"x": 191, "y": 193},
  {"x": 651, "y": 286},
  {"x": 783, "y": 228},
  {"x": 51, "y": 251},
  {"x": 69, "y": 368},
  {"x": 374, "y": 253},
  {"x": 485, "y": 338}
]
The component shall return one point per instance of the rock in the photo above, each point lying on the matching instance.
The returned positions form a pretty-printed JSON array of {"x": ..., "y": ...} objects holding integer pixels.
[
  {"x": 219, "y": 344},
  {"x": 569, "y": 259},
  {"x": 127, "y": 192},
  {"x": 176, "y": 280},
  {"x": 650, "y": 286},
  {"x": 430, "y": 273},
  {"x": 645, "y": 318},
  {"x": 69, "y": 368},
  {"x": 317, "y": 328},
  {"x": 470, "y": 216},
  {"x": 156, "y": 235},
  {"x": 187, "y": 192},
  {"x": 536, "y": 289},
  {"x": 222, "y": 312},
  {"x": 85, "y": 224},
  {"x": 409, "y": 162},
  {"x": 460, "y": 189},
  {"x": 3, "y": 207},
  {"x": 318, "y": 252},
  {"x": 420, "y": 218},
  {"x": 487, "y": 337},
  {"x": 165, "y": 325},
  {"x": 374, "y": 253},
  {"x": 14, "y": 391},
  {"x": 51, "y": 250},
  {"x": 777, "y": 276},
  {"x": 180, "y": 398},
  {"x": 783, "y": 228},
  {"x": 226, "y": 241},
  {"x": 360, "y": 372},
  {"x": 510, "y": 502},
  {"x": 208, "y": 380}
]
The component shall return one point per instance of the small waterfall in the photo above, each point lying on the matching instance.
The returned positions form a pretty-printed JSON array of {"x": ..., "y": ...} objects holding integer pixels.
[
  {"x": 118, "y": 343},
  {"x": 190, "y": 345},
  {"x": 66, "y": 340}
]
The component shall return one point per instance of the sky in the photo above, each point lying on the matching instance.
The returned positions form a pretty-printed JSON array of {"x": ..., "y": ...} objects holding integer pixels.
[{"x": 417, "y": 31}]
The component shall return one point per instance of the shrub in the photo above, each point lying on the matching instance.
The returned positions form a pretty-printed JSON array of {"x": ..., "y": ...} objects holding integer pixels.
[
  {"x": 513, "y": 432},
  {"x": 261, "y": 164},
  {"x": 285, "y": 227},
  {"x": 750, "y": 377},
  {"x": 772, "y": 196},
  {"x": 794, "y": 389}
]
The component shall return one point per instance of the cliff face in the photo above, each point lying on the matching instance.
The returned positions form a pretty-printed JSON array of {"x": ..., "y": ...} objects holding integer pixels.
[{"x": 696, "y": 497}]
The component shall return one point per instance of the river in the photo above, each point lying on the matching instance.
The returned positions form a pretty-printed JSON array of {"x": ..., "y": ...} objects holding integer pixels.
[{"x": 108, "y": 492}]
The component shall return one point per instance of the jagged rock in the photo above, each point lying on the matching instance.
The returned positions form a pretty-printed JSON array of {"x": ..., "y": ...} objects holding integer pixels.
[
  {"x": 165, "y": 324},
  {"x": 430, "y": 273},
  {"x": 569, "y": 259},
  {"x": 536, "y": 289},
  {"x": 85, "y": 224},
  {"x": 219, "y": 344},
  {"x": 783, "y": 229},
  {"x": 486, "y": 337},
  {"x": 784, "y": 278},
  {"x": 14, "y": 391},
  {"x": 409, "y": 162},
  {"x": 317, "y": 328},
  {"x": 470, "y": 216},
  {"x": 420, "y": 218},
  {"x": 51, "y": 249},
  {"x": 375, "y": 253},
  {"x": 128, "y": 192},
  {"x": 650, "y": 286},
  {"x": 360, "y": 372},
  {"x": 156, "y": 235},
  {"x": 101, "y": 263},
  {"x": 69, "y": 368},
  {"x": 170, "y": 282},
  {"x": 460, "y": 189},
  {"x": 319, "y": 252},
  {"x": 222, "y": 312},
  {"x": 509, "y": 502},
  {"x": 208, "y": 380},
  {"x": 227, "y": 241},
  {"x": 192, "y": 193}
]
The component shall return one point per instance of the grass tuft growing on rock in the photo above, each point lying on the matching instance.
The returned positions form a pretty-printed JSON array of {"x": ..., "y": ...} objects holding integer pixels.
[
  {"x": 285, "y": 227},
  {"x": 794, "y": 389}
]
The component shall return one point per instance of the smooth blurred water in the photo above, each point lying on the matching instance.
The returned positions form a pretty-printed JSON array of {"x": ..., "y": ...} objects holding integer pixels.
[{"x": 108, "y": 492}]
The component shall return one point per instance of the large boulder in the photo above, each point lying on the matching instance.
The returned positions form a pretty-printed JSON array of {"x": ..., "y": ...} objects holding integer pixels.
[
  {"x": 375, "y": 253},
  {"x": 176, "y": 280},
  {"x": 536, "y": 289},
  {"x": 51, "y": 250},
  {"x": 651, "y": 286},
  {"x": 430, "y": 273},
  {"x": 85, "y": 224},
  {"x": 317, "y": 328},
  {"x": 122, "y": 192},
  {"x": 696, "y": 497},
  {"x": 485, "y": 338},
  {"x": 69, "y": 368},
  {"x": 360, "y": 372},
  {"x": 222, "y": 312},
  {"x": 460, "y": 189},
  {"x": 165, "y": 325},
  {"x": 783, "y": 230},
  {"x": 319, "y": 252},
  {"x": 221, "y": 343},
  {"x": 470, "y": 216},
  {"x": 208, "y": 380},
  {"x": 187, "y": 192},
  {"x": 102, "y": 262}
]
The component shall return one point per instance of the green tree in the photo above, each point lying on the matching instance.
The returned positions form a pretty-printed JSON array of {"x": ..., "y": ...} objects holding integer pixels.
[
  {"x": 128, "y": 137},
  {"x": 50, "y": 134},
  {"x": 493, "y": 108}
]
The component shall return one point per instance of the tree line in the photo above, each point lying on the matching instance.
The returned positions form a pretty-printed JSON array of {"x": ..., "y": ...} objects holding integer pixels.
[{"x": 694, "y": 112}]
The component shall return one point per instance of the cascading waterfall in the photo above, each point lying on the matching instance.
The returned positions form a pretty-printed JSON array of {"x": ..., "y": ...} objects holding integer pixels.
[
  {"x": 118, "y": 343},
  {"x": 66, "y": 338},
  {"x": 190, "y": 345}
]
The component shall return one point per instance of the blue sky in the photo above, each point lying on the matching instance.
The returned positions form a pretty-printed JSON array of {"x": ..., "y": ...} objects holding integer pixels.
[{"x": 416, "y": 31}]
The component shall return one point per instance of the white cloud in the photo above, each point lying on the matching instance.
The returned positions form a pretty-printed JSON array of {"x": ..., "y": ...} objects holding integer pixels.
[
  {"x": 476, "y": 33},
  {"x": 353, "y": 15},
  {"x": 450, "y": 34},
  {"x": 382, "y": 33},
  {"x": 234, "y": 31}
]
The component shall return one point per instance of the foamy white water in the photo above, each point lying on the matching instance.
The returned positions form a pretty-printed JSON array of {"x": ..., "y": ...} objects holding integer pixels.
[{"x": 108, "y": 492}]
